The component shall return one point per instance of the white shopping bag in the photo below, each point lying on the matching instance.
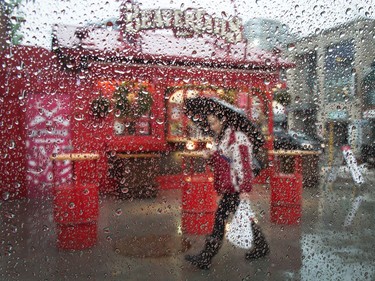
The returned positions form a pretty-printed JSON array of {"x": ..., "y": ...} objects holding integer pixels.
[{"x": 240, "y": 232}]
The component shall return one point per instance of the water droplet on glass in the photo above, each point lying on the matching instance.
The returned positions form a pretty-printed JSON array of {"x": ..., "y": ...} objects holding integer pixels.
[
  {"x": 291, "y": 47},
  {"x": 79, "y": 117},
  {"x": 20, "y": 67},
  {"x": 124, "y": 190},
  {"x": 14, "y": 229},
  {"x": 12, "y": 144},
  {"x": 22, "y": 95},
  {"x": 6, "y": 195},
  {"x": 9, "y": 215},
  {"x": 118, "y": 212}
]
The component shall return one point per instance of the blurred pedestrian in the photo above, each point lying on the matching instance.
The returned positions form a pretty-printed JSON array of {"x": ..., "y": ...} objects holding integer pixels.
[{"x": 231, "y": 161}]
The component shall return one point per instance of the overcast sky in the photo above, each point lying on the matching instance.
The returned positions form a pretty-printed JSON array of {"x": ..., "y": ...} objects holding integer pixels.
[{"x": 303, "y": 17}]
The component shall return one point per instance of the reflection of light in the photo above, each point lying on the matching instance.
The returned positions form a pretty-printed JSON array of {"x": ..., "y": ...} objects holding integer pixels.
[
  {"x": 339, "y": 59},
  {"x": 209, "y": 145},
  {"x": 277, "y": 87},
  {"x": 306, "y": 145},
  {"x": 278, "y": 108},
  {"x": 190, "y": 145},
  {"x": 179, "y": 230},
  {"x": 227, "y": 227},
  {"x": 178, "y": 96}
]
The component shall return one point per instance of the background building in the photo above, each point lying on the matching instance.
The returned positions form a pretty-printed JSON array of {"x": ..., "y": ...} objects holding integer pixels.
[
  {"x": 3, "y": 25},
  {"x": 326, "y": 86},
  {"x": 267, "y": 34},
  {"x": 10, "y": 23},
  {"x": 272, "y": 36}
]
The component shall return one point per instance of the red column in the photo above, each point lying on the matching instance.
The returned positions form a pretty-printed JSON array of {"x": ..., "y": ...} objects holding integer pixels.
[
  {"x": 76, "y": 205},
  {"x": 198, "y": 202},
  {"x": 286, "y": 194}
]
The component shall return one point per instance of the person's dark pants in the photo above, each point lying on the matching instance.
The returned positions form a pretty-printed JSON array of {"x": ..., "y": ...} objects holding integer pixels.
[{"x": 228, "y": 204}]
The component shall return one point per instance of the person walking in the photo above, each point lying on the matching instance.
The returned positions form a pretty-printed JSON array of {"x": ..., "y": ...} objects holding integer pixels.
[{"x": 231, "y": 162}]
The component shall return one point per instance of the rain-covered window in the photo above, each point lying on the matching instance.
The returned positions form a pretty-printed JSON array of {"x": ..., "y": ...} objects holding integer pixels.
[{"x": 187, "y": 140}]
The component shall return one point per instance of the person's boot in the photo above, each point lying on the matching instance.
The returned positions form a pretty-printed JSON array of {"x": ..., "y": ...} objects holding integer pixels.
[
  {"x": 261, "y": 247},
  {"x": 203, "y": 259}
]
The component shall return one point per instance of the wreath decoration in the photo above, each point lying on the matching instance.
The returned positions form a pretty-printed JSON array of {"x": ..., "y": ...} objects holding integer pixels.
[
  {"x": 100, "y": 107},
  {"x": 132, "y": 100}
]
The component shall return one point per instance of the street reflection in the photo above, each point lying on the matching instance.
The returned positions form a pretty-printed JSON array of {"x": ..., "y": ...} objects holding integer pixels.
[{"x": 321, "y": 246}]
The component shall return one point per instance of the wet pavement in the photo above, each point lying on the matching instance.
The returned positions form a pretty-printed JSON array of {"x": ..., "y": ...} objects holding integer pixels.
[{"x": 329, "y": 243}]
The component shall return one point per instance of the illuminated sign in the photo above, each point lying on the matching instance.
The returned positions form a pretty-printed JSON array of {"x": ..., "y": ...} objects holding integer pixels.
[{"x": 184, "y": 23}]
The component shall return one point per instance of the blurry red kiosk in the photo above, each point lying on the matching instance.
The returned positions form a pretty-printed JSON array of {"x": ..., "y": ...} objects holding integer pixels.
[{"x": 117, "y": 89}]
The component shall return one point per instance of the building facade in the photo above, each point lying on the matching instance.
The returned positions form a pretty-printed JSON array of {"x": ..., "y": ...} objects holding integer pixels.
[
  {"x": 267, "y": 34},
  {"x": 3, "y": 26},
  {"x": 327, "y": 83}
]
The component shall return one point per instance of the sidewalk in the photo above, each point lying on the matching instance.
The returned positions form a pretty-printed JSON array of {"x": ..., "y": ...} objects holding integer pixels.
[{"x": 320, "y": 248}]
